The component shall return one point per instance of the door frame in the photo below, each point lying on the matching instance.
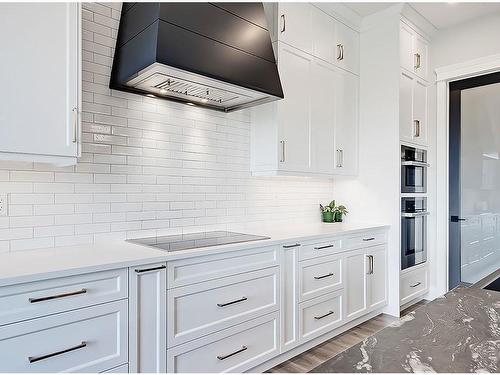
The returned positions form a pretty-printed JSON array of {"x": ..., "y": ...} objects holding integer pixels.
[{"x": 445, "y": 75}]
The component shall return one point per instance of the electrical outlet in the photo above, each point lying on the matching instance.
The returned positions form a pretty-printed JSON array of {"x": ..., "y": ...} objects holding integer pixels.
[{"x": 3, "y": 204}]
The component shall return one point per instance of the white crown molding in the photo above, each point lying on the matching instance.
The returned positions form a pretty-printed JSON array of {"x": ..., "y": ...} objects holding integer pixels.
[
  {"x": 471, "y": 68},
  {"x": 341, "y": 12}
]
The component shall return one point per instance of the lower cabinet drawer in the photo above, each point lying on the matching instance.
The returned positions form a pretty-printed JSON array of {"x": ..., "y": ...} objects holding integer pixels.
[
  {"x": 320, "y": 315},
  {"x": 320, "y": 276},
  {"x": 235, "y": 349},
  {"x": 92, "y": 339},
  {"x": 364, "y": 240},
  {"x": 413, "y": 284},
  {"x": 201, "y": 309},
  {"x": 319, "y": 249}
]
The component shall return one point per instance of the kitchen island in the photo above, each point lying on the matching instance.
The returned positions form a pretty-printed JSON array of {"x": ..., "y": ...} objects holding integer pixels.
[{"x": 459, "y": 332}]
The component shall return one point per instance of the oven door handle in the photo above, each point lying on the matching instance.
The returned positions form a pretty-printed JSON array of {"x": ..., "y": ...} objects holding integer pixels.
[
  {"x": 415, "y": 164},
  {"x": 414, "y": 214}
]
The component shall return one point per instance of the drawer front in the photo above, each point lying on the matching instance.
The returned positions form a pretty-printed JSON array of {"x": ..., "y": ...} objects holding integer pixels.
[
  {"x": 123, "y": 369},
  {"x": 201, "y": 269},
  {"x": 320, "y": 315},
  {"x": 413, "y": 284},
  {"x": 201, "y": 309},
  {"x": 365, "y": 240},
  {"x": 320, "y": 276},
  {"x": 236, "y": 349},
  {"x": 31, "y": 300},
  {"x": 319, "y": 249},
  {"x": 92, "y": 339}
]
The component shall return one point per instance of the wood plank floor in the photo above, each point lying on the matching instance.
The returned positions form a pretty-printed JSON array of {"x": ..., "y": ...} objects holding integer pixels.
[{"x": 308, "y": 360}]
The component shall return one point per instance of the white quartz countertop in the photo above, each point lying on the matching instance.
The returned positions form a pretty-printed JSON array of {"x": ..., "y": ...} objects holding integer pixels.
[{"x": 25, "y": 266}]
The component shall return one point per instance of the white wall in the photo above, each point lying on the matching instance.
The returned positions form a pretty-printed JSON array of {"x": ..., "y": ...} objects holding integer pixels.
[
  {"x": 148, "y": 167},
  {"x": 466, "y": 41}
]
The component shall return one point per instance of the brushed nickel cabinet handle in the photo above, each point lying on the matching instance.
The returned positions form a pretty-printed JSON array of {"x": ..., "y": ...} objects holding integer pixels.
[
  {"x": 370, "y": 264},
  {"x": 417, "y": 61},
  {"x": 340, "y": 158},
  {"x": 368, "y": 239},
  {"x": 223, "y": 357},
  {"x": 417, "y": 128},
  {"x": 340, "y": 52},
  {"x": 415, "y": 285},
  {"x": 324, "y": 316},
  {"x": 242, "y": 299},
  {"x": 283, "y": 23},
  {"x": 56, "y": 296},
  {"x": 150, "y": 269},
  {"x": 83, "y": 344},
  {"x": 323, "y": 247},
  {"x": 74, "y": 112},
  {"x": 282, "y": 159},
  {"x": 324, "y": 276},
  {"x": 290, "y": 246}
]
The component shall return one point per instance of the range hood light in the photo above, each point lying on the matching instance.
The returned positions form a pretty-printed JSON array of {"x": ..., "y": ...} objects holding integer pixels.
[
  {"x": 151, "y": 95},
  {"x": 163, "y": 91},
  {"x": 189, "y": 103},
  {"x": 204, "y": 100}
]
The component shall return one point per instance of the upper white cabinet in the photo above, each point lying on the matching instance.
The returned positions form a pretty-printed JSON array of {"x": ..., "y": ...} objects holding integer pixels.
[
  {"x": 346, "y": 48},
  {"x": 412, "y": 109},
  {"x": 413, "y": 51},
  {"x": 40, "y": 75},
  {"x": 294, "y": 25}
]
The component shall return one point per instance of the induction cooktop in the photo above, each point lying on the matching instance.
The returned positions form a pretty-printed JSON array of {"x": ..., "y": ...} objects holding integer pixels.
[{"x": 196, "y": 240}]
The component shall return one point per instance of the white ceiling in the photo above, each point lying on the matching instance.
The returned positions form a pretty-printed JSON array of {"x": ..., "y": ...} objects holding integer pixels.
[{"x": 441, "y": 15}]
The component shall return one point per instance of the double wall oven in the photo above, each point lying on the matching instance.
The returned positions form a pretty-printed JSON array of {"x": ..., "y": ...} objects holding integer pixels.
[{"x": 413, "y": 206}]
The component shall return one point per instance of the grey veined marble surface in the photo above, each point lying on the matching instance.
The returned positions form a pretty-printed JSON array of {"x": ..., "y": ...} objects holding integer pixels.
[{"x": 459, "y": 332}]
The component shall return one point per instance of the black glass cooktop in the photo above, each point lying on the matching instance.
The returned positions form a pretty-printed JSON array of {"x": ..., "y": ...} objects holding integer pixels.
[{"x": 196, "y": 240}]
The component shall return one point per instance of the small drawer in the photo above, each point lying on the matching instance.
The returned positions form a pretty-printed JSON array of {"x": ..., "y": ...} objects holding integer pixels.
[
  {"x": 319, "y": 249},
  {"x": 365, "y": 240},
  {"x": 236, "y": 349},
  {"x": 92, "y": 339},
  {"x": 320, "y": 276},
  {"x": 201, "y": 309},
  {"x": 209, "y": 267},
  {"x": 413, "y": 284},
  {"x": 31, "y": 300},
  {"x": 320, "y": 315}
]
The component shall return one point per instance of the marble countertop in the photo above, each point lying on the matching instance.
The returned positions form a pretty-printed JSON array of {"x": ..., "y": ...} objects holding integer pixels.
[
  {"x": 459, "y": 332},
  {"x": 31, "y": 265}
]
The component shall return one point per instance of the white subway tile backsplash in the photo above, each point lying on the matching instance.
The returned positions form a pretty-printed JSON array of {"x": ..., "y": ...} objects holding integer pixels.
[{"x": 148, "y": 167}]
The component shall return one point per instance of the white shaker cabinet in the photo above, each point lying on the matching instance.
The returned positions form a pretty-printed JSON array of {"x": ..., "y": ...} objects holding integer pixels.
[
  {"x": 295, "y": 25},
  {"x": 377, "y": 277},
  {"x": 413, "y": 109},
  {"x": 148, "y": 318},
  {"x": 414, "y": 51},
  {"x": 40, "y": 75},
  {"x": 346, "y": 48}
]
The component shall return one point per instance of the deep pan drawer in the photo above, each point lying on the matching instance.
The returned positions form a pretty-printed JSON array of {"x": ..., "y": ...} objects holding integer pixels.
[
  {"x": 236, "y": 349},
  {"x": 365, "y": 240},
  {"x": 320, "y": 315},
  {"x": 413, "y": 284},
  {"x": 202, "y": 309},
  {"x": 319, "y": 249},
  {"x": 30, "y": 300},
  {"x": 93, "y": 339},
  {"x": 320, "y": 276}
]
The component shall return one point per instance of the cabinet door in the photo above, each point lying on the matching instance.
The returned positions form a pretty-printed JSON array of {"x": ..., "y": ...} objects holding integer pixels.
[
  {"x": 323, "y": 117},
  {"x": 40, "y": 71},
  {"x": 346, "y": 48},
  {"x": 346, "y": 122},
  {"x": 420, "y": 53},
  {"x": 294, "y": 111},
  {"x": 323, "y": 35},
  {"x": 406, "y": 47},
  {"x": 294, "y": 25},
  {"x": 356, "y": 288},
  {"x": 419, "y": 112},
  {"x": 406, "y": 130},
  {"x": 377, "y": 270},
  {"x": 148, "y": 318}
]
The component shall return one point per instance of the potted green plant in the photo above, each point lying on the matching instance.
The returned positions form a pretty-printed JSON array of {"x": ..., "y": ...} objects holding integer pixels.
[
  {"x": 327, "y": 212},
  {"x": 338, "y": 213}
]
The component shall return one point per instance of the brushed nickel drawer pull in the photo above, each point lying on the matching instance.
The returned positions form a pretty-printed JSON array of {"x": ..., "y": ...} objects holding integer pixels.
[
  {"x": 223, "y": 357},
  {"x": 368, "y": 239},
  {"x": 322, "y": 277},
  {"x": 83, "y": 344},
  {"x": 290, "y": 246},
  {"x": 242, "y": 299},
  {"x": 324, "y": 316},
  {"x": 150, "y": 269},
  {"x": 62, "y": 295},
  {"x": 415, "y": 285},
  {"x": 323, "y": 247}
]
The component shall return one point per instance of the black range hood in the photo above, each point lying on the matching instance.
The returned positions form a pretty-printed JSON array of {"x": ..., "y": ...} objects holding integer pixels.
[{"x": 216, "y": 55}]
